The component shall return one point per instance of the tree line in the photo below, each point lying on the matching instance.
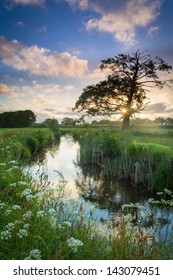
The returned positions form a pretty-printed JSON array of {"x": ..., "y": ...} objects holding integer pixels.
[{"x": 17, "y": 119}]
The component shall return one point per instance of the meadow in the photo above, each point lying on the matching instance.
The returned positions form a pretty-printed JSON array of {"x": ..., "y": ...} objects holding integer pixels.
[{"x": 38, "y": 222}]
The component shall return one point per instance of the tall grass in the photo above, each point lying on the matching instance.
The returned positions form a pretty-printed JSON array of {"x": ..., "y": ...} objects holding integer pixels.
[{"x": 147, "y": 165}]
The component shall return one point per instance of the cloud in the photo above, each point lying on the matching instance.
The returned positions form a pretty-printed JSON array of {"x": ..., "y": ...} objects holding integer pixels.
[
  {"x": 4, "y": 89},
  {"x": 122, "y": 23},
  {"x": 81, "y": 4},
  {"x": 3, "y": 106},
  {"x": 41, "y": 29},
  {"x": 20, "y": 23},
  {"x": 119, "y": 18},
  {"x": 153, "y": 30},
  {"x": 156, "y": 108},
  {"x": 69, "y": 87},
  {"x": 40, "y": 61},
  {"x": 12, "y": 3}
]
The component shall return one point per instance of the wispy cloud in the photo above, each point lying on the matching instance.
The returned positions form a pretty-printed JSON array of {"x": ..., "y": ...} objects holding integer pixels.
[
  {"x": 2, "y": 106},
  {"x": 12, "y": 3},
  {"x": 40, "y": 61},
  {"x": 4, "y": 89},
  {"x": 153, "y": 30}
]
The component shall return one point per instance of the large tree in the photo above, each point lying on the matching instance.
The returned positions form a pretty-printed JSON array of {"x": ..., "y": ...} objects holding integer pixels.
[{"x": 125, "y": 89}]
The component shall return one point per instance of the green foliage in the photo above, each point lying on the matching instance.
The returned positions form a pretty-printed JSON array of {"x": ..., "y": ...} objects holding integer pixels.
[
  {"x": 32, "y": 143},
  {"x": 17, "y": 119},
  {"x": 147, "y": 165}
]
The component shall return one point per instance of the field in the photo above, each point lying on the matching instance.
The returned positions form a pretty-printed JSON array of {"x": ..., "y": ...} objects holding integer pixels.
[{"x": 38, "y": 222}]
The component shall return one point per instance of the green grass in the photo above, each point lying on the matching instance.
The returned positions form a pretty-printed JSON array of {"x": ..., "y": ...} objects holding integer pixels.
[
  {"x": 38, "y": 222},
  {"x": 24, "y": 142},
  {"x": 144, "y": 156}
]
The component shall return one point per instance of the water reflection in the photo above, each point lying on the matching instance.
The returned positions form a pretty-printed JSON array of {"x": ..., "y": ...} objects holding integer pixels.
[{"x": 91, "y": 186}]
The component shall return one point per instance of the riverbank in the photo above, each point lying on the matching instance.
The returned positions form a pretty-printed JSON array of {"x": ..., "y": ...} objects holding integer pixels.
[
  {"x": 143, "y": 157},
  {"x": 38, "y": 222}
]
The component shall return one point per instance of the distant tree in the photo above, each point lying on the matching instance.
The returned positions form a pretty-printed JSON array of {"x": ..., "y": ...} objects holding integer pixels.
[
  {"x": 68, "y": 122},
  {"x": 160, "y": 120},
  {"x": 80, "y": 121},
  {"x": 17, "y": 119},
  {"x": 125, "y": 89},
  {"x": 169, "y": 121},
  {"x": 51, "y": 123}
]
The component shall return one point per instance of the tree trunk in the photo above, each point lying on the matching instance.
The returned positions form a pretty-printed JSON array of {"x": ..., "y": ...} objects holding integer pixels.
[{"x": 126, "y": 122}]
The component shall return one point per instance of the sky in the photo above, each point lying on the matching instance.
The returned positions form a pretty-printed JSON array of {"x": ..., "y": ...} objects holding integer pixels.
[{"x": 50, "y": 50}]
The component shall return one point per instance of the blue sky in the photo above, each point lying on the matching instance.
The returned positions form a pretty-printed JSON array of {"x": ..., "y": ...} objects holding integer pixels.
[{"x": 51, "y": 49}]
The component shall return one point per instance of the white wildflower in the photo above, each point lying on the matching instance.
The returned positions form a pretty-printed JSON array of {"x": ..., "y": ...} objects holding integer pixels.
[
  {"x": 51, "y": 212},
  {"x": 29, "y": 197},
  {"x": 26, "y": 226},
  {"x": 67, "y": 224},
  {"x": 8, "y": 212},
  {"x": 22, "y": 233},
  {"x": 10, "y": 226},
  {"x": 2, "y": 164},
  {"x": 13, "y": 162},
  {"x": 5, "y": 235},
  {"x": 40, "y": 214},
  {"x": 27, "y": 215},
  {"x": 25, "y": 193},
  {"x": 16, "y": 207},
  {"x": 13, "y": 185},
  {"x": 74, "y": 244},
  {"x": 34, "y": 255},
  {"x": 2, "y": 205},
  {"x": 108, "y": 249}
]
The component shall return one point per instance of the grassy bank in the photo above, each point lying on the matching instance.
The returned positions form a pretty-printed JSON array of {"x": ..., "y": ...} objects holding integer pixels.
[
  {"x": 38, "y": 222},
  {"x": 25, "y": 142},
  {"x": 144, "y": 157}
]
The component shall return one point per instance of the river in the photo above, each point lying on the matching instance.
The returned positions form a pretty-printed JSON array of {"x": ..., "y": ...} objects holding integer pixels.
[{"x": 107, "y": 196}]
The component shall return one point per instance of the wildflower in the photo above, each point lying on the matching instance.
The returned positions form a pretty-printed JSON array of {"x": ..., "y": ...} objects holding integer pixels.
[
  {"x": 10, "y": 226},
  {"x": 22, "y": 233},
  {"x": 16, "y": 207},
  {"x": 13, "y": 169},
  {"x": 168, "y": 191},
  {"x": 34, "y": 255},
  {"x": 91, "y": 236},
  {"x": 8, "y": 212},
  {"x": 108, "y": 249},
  {"x": 5, "y": 235},
  {"x": 27, "y": 215},
  {"x": 2, "y": 205},
  {"x": 53, "y": 222},
  {"x": 25, "y": 193},
  {"x": 67, "y": 224},
  {"x": 26, "y": 226},
  {"x": 13, "y": 185},
  {"x": 40, "y": 214},
  {"x": 74, "y": 244},
  {"x": 52, "y": 212},
  {"x": 13, "y": 162},
  {"x": 29, "y": 197},
  {"x": 2, "y": 164}
]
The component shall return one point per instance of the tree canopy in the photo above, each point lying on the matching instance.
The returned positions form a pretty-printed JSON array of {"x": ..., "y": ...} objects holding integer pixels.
[
  {"x": 125, "y": 89},
  {"x": 17, "y": 119}
]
